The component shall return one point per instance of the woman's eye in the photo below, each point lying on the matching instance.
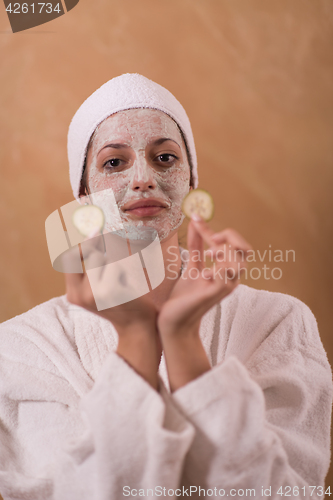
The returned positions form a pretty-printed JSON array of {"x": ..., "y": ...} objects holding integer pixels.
[
  {"x": 167, "y": 158},
  {"x": 113, "y": 163}
]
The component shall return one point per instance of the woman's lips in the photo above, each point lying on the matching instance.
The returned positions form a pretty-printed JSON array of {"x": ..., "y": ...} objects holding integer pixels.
[
  {"x": 145, "y": 208},
  {"x": 145, "y": 211}
]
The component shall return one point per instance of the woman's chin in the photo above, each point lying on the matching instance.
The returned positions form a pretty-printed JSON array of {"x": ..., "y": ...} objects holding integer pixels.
[{"x": 149, "y": 227}]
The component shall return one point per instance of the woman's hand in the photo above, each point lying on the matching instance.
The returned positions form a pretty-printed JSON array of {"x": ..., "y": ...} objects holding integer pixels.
[
  {"x": 198, "y": 289},
  {"x": 135, "y": 320}
]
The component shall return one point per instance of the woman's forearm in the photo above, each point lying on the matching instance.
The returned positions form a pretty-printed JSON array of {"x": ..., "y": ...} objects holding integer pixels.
[
  {"x": 139, "y": 346},
  {"x": 185, "y": 357}
]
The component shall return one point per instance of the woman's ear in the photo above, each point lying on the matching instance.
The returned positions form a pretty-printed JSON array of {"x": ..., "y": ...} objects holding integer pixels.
[
  {"x": 84, "y": 195},
  {"x": 82, "y": 191}
]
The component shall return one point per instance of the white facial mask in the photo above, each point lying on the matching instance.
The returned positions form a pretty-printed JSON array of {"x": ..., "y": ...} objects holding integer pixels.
[{"x": 138, "y": 129}]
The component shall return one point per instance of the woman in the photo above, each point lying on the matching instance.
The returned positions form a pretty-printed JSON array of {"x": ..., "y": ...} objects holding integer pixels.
[{"x": 239, "y": 404}]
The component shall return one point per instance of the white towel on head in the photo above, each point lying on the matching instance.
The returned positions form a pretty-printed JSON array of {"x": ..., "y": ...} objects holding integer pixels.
[{"x": 128, "y": 91}]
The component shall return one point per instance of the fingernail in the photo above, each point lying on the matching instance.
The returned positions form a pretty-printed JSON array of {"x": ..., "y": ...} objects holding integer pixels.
[{"x": 196, "y": 217}]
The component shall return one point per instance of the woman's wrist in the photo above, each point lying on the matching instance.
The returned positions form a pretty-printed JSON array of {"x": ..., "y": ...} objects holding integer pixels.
[
  {"x": 185, "y": 357},
  {"x": 169, "y": 327},
  {"x": 136, "y": 329},
  {"x": 139, "y": 347}
]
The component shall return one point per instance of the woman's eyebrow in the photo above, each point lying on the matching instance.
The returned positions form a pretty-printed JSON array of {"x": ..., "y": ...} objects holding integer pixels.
[
  {"x": 163, "y": 139},
  {"x": 114, "y": 146},
  {"x": 119, "y": 145}
]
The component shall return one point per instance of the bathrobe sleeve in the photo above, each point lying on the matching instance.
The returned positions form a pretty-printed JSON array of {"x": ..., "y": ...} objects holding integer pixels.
[
  {"x": 60, "y": 445},
  {"x": 263, "y": 421},
  {"x": 134, "y": 438}
]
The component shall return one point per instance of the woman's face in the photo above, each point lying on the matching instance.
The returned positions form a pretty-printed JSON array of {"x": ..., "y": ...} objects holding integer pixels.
[{"x": 141, "y": 155}]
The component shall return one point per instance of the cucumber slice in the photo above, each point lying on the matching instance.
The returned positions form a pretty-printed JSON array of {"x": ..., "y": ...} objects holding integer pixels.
[
  {"x": 88, "y": 218},
  {"x": 200, "y": 202}
]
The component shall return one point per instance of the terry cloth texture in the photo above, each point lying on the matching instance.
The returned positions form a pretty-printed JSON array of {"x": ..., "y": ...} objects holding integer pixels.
[
  {"x": 78, "y": 423},
  {"x": 127, "y": 91}
]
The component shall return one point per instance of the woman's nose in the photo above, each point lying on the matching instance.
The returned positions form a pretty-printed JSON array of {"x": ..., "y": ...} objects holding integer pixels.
[{"x": 143, "y": 175}]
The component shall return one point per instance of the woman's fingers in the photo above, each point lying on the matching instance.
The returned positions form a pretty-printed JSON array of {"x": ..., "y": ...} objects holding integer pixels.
[
  {"x": 229, "y": 270},
  {"x": 198, "y": 233},
  {"x": 226, "y": 236},
  {"x": 228, "y": 251},
  {"x": 195, "y": 246},
  {"x": 224, "y": 277},
  {"x": 204, "y": 230},
  {"x": 233, "y": 238},
  {"x": 229, "y": 263}
]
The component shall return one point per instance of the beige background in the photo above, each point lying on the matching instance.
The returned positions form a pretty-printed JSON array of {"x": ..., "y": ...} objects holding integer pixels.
[{"x": 256, "y": 79}]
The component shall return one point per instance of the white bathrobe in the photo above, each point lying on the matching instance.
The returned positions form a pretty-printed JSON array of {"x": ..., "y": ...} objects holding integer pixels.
[{"x": 77, "y": 423}]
